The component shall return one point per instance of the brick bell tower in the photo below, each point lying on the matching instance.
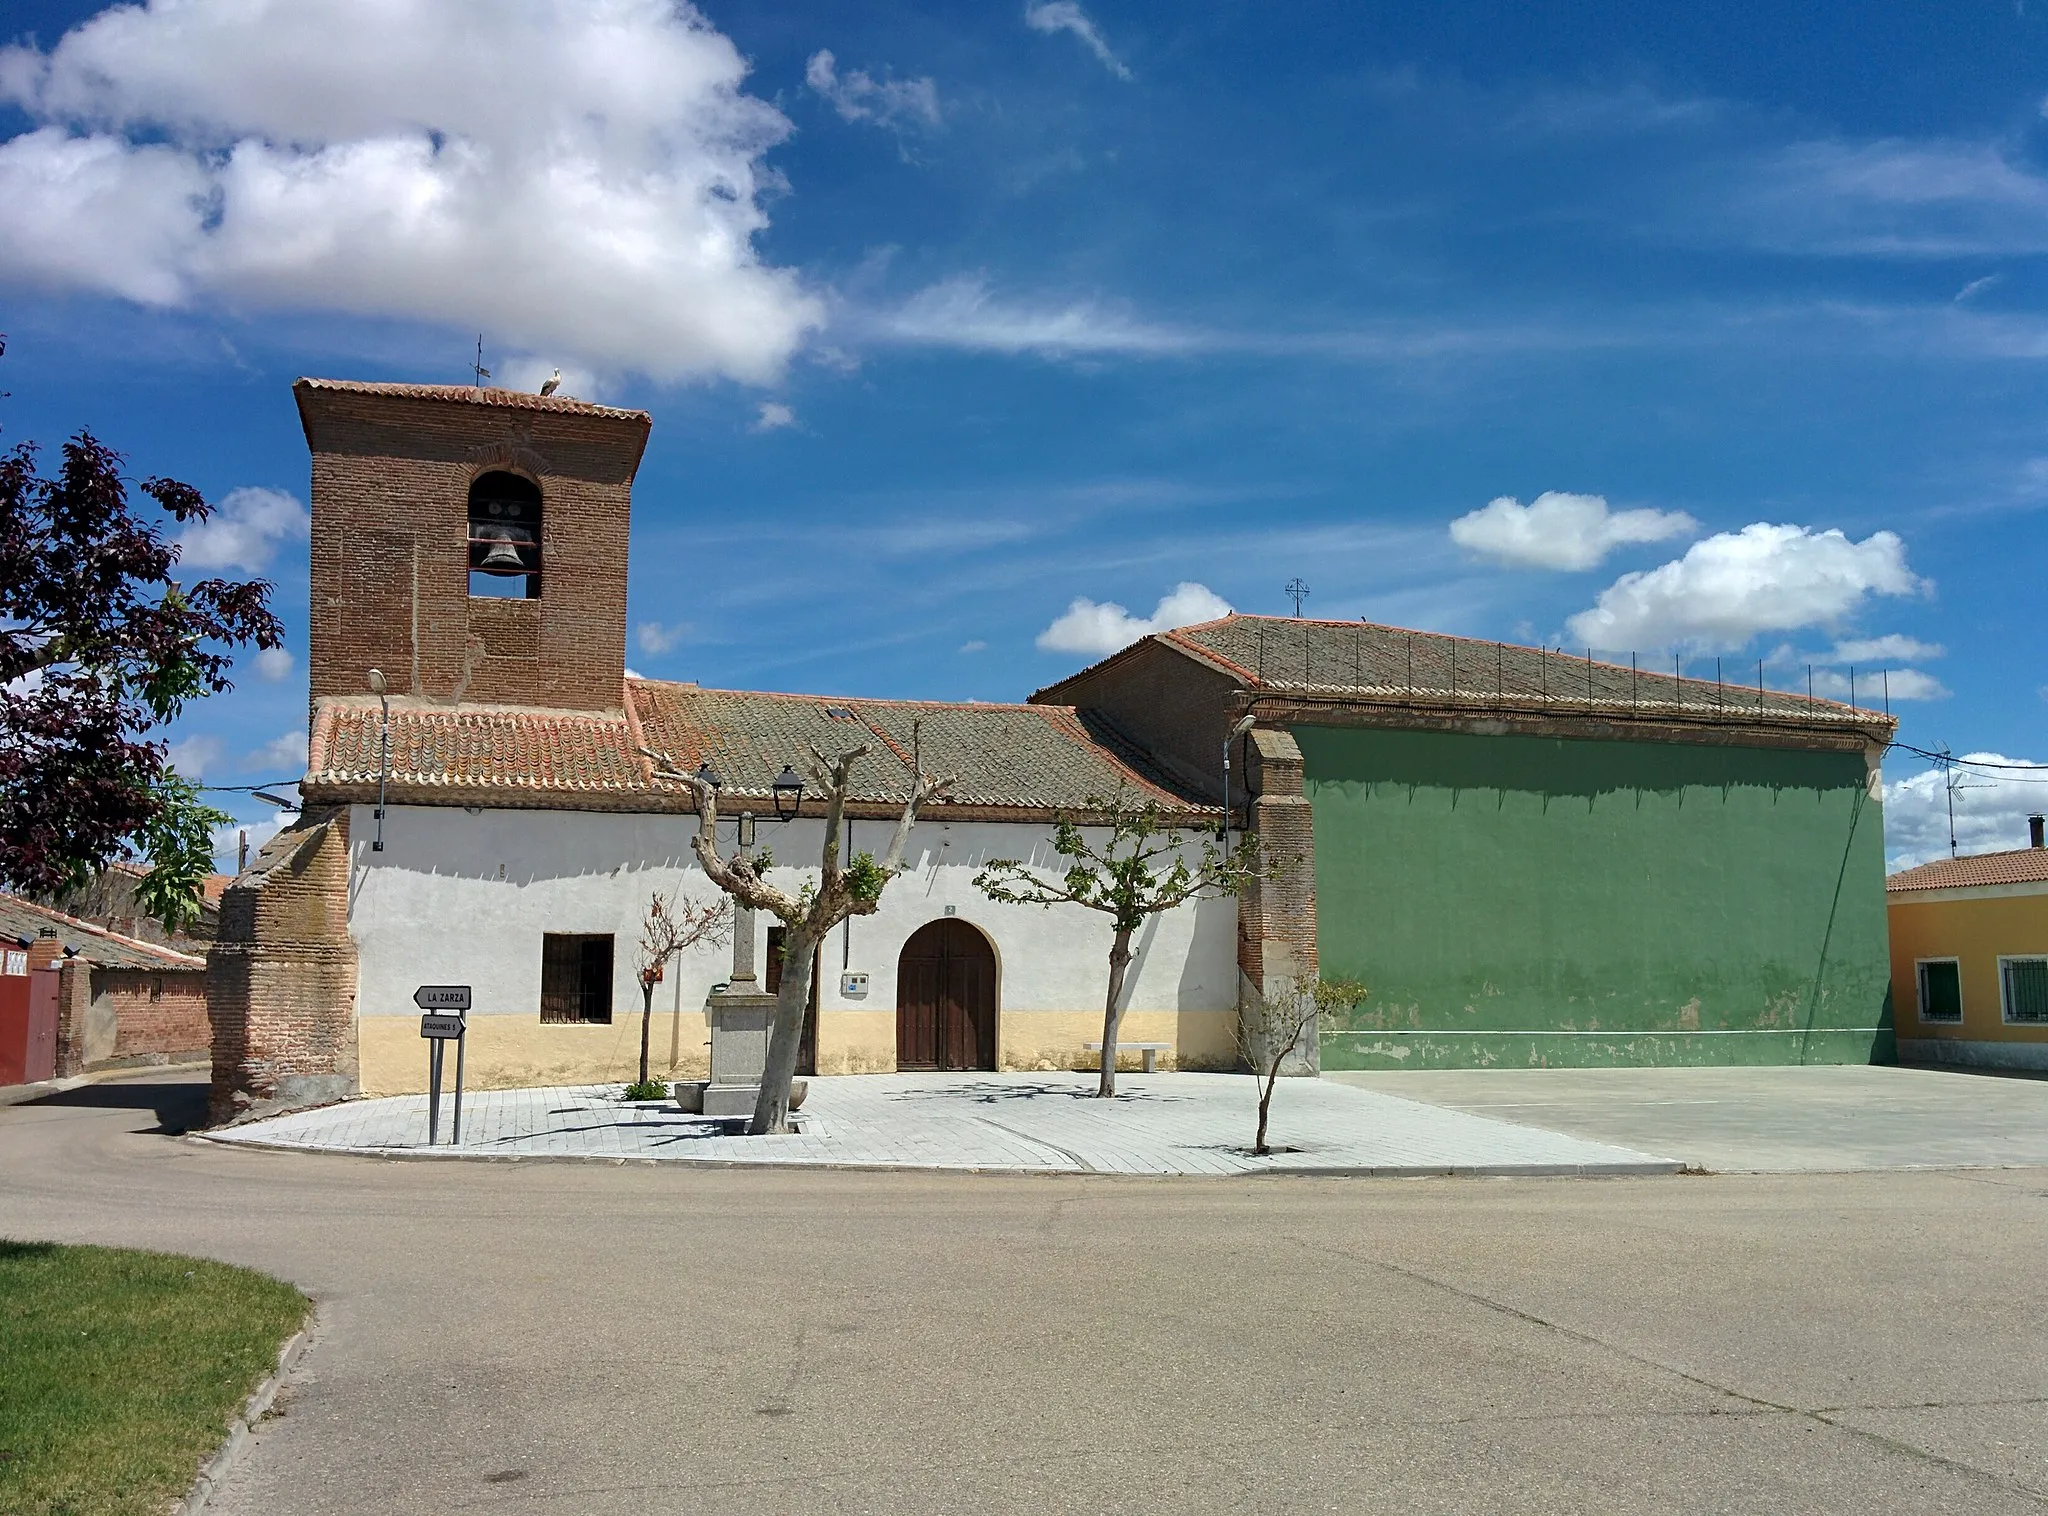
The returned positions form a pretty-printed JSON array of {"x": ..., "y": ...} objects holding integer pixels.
[{"x": 469, "y": 542}]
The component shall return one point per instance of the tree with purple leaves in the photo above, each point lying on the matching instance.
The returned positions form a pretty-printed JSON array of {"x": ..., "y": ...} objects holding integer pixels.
[{"x": 101, "y": 646}]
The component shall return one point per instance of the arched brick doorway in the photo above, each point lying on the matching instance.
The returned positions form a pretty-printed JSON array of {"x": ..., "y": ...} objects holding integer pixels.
[{"x": 946, "y": 999}]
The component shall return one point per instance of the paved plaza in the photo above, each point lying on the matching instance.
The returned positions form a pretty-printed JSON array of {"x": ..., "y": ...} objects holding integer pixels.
[
  {"x": 1839, "y": 1118},
  {"x": 1027, "y": 1123}
]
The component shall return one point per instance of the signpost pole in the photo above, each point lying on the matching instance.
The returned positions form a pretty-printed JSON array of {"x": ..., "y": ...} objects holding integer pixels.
[
  {"x": 460, "y": 1043},
  {"x": 434, "y": 1092},
  {"x": 447, "y": 1016}
]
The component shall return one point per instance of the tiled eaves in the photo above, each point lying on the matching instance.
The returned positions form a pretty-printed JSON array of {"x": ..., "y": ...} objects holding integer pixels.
[
  {"x": 2016, "y": 866},
  {"x": 1012, "y": 762},
  {"x": 465, "y": 394}
]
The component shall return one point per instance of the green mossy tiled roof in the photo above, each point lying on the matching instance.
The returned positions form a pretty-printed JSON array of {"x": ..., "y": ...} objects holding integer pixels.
[{"x": 1287, "y": 655}]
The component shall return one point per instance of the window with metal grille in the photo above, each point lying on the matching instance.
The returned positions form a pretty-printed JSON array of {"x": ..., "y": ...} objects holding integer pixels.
[
  {"x": 575, "y": 977},
  {"x": 2025, "y": 981},
  {"x": 1941, "y": 990}
]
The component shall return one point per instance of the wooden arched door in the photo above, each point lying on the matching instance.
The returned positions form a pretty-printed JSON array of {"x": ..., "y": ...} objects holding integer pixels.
[{"x": 946, "y": 999}]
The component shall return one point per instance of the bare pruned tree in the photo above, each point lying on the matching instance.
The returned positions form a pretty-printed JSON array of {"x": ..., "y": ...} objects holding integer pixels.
[
  {"x": 667, "y": 932},
  {"x": 851, "y": 888},
  {"x": 1268, "y": 1038},
  {"x": 1127, "y": 877}
]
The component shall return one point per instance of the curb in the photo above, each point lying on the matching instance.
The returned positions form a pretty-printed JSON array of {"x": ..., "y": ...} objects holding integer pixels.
[
  {"x": 21, "y": 1094},
  {"x": 1646, "y": 1168},
  {"x": 242, "y": 1424}
]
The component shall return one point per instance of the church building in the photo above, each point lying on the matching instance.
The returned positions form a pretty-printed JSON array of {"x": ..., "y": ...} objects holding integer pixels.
[{"x": 1529, "y": 858}]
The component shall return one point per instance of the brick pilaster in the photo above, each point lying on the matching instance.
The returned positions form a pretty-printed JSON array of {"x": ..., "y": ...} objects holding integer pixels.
[{"x": 1276, "y": 917}]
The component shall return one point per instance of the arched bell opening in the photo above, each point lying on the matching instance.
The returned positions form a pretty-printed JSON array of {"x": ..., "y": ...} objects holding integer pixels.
[{"x": 504, "y": 536}]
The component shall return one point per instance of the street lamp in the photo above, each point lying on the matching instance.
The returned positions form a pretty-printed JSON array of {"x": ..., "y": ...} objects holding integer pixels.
[
  {"x": 789, "y": 792},
  {"x": 378, "y": 688},
  {"x": 1244, "y": 724}
]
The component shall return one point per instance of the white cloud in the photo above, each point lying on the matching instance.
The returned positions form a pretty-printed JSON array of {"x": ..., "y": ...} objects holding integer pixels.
[
  {"x": 1051, "y": 16},
  {"x": 1557, "y": 530},
  {"x": 1089, "y": 627},
  {"x": 582, "y": 179},
  {"x": 772, "y": 415},
  {"x": 1873, "y": 687},
  {"x": 975, "y": 646},
  {"x": 1733, "y": 585},
  {"x": 1976, "y": 287},
  {"x": 1887, "y": 649},
  {"x": 193, "y": 756},
  {"x": 527, "y": 373},
  {"x": 286, "y": 752},
  {"x": 858, "y": 96},
  {"x": 244, "y": 530},
  {"x": 633, "y": 673},
  {"x": 654, "y": 639},
  {"x": 273, "y": 664},
  {"x": 227, "y": 839},
  {"x": 1991, "y": 810},
  {"x": 1891, "y": 197},
  {"x": 962, "y": 313}
]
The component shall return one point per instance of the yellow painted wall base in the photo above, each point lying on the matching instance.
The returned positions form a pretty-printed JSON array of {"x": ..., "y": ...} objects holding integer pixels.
[{"x": 515, "y": 1052}]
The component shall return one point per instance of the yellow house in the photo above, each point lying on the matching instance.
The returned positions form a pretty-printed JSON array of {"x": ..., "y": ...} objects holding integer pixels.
[{"x": 1970, "y": 958}]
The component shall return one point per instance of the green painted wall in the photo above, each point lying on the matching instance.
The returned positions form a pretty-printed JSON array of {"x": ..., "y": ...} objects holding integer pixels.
[{"x": 1517, "y": 901}]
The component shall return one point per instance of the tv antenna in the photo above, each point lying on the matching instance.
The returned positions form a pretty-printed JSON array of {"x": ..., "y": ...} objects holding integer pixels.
[
  {"x": 1298, "y": 590},
  {"x": 1953, "y": 782},
  {"x": 482, "y": 373}
]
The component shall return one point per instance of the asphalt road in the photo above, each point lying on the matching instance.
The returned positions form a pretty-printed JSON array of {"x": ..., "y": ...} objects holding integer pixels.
[{"x": 609, "y": 1339}]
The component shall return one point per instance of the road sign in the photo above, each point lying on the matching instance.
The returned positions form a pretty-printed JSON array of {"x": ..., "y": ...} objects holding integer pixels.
[
  {"x": 441, "y": 997},
  {"x": 441, "y": 1026}
]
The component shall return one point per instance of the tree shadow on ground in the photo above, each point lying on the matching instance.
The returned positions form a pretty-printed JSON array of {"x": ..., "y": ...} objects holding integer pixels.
[
  {"x": 178, "y": 1104},
  {"x": 992, "y": 1094}
]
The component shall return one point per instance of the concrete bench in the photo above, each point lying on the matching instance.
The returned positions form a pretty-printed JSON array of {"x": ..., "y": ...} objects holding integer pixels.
[{"x": 1151, "y": 1050}]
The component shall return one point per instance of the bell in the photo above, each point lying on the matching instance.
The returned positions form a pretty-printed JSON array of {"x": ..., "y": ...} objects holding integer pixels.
[{"x": 503, "y": 558}]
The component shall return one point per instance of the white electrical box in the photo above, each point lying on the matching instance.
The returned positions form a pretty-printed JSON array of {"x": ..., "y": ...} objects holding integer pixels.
[{"x": 853, "y": 986}]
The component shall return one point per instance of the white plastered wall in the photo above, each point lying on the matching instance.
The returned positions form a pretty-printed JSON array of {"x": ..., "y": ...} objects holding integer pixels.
[{"x": 462, "y": 897}]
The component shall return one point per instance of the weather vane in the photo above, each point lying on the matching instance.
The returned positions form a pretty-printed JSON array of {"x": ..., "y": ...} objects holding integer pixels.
[
  {"x": 482, "y": 373},
  {"x": 1298, "y": 590}
]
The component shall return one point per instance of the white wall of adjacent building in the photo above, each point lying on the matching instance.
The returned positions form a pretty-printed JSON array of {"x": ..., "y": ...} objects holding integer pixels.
[{"x": 465, "y": 897}]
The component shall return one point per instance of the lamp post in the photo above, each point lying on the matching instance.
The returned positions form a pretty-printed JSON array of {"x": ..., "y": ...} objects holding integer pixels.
[
  {"x": 1244, "y": 724},
  {"x": 377, "y": 688},
  {"x": 789, "y": 794}
]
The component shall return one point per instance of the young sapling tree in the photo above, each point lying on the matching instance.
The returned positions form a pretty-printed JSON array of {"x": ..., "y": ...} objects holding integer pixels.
[
  {"x": 1268, "y": 1040},
  {"x": 1139, "y": 868},
  {"x": 668, "y": 931}
]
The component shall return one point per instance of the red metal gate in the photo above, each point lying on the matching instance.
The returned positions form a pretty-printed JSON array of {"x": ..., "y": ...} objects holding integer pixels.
[{"x": 28, "y": 1026}]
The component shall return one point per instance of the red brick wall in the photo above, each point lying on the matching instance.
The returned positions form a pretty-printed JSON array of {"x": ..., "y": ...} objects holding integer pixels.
[
  {"x": 391, "y": 477},
  {"x": 1171, "y": 705},
  {"x": 281, "y": 978},
  {"x": 154, "y": 1014}
]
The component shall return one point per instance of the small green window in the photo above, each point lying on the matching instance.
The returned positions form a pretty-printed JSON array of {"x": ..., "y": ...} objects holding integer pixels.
[
  {"x": 2026, "y": 988},
  {"x": 1941, "y": 990}
]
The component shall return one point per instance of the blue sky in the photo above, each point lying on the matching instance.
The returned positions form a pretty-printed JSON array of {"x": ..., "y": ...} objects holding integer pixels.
[{"x": 950, "y": 317}]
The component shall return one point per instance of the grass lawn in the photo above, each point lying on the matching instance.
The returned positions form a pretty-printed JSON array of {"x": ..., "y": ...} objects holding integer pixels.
[{"x": 118, "y": 1371}]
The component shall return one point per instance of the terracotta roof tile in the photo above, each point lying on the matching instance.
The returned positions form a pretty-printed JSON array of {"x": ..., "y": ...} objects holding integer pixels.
[
  {"x": 470, "y": 394},
  {"x": 2027, "y": 865},
  {"x": 109, "y": 950},
  {"x": 470, "y": 747},
  {"x": 1029, "y": 758}
]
